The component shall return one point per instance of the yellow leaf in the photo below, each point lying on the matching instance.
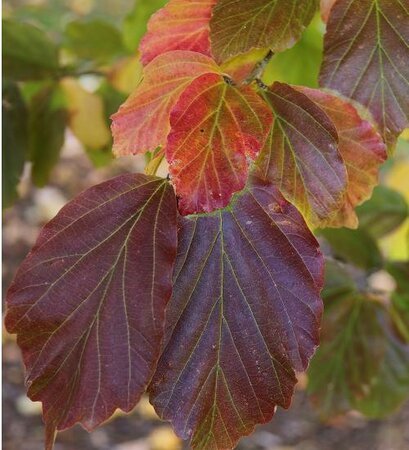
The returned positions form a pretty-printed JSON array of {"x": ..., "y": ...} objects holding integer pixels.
[
  {"x": 87, "y": 119},
  {"x": 126, "y": 74},
  {"x": 396, "y": 246},
  {"x": 164, "y": 438}
]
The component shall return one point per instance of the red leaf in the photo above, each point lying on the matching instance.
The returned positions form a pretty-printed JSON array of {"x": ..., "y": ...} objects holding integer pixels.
[
  {"x": 366, "y": 58},
  {"x": 142, "y": 122},
  {"x": 216, "y": 129},
  {"x": 88, "y": 302},
  {"x": 360, "y": 146},
  {"x": 245, "y": 312},
  {"x": 301, "y": 155},
  {"x": 180, "y": 25},
  {"x": 239, "y": 26}
]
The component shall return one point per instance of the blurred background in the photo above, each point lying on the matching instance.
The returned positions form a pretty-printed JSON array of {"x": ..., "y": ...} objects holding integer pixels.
[{"x": 67, "y": 66}]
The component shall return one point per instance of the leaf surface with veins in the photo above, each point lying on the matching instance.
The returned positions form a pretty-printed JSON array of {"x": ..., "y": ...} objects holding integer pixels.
[
  {"x": 301, "y": 155},
  {"x": 361, "y": 148},
  {"x": 88, "y": 302},
  {"x": 366, "y": 56},
  {"x": 244, "y": 314},
  {"x": 216, "y": 129},
  {"x": 142, "y": 122},
  {"x": 179, "y": 25},
  {"x": 238, "y": 26}
]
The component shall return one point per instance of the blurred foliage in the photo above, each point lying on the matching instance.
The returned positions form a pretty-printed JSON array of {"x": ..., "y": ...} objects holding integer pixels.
[
  {"x": 66, "y": 63},
  {"x": 71, "y": 63}
]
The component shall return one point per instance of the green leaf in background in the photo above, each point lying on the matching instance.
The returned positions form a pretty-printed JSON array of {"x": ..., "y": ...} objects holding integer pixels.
[
  {"x": 338, "y": 281},
  {"x": 383, "y": 213},
  {"x": 15, "y": 140},
  {"x": 400, "y": 298},
  {"x": 351, "y": 350},
  {"x": 134, "y": 26},
  {"x": 301, "y": 63},
  {"x": 389, "y": 388},
  {"x": 47, "y": 122},
  {"x": 363, "y": 360},
  {"x": 355, "y": 246},
  {"x": 95, "y": 40},
  {"x": 28, "y": 53}
]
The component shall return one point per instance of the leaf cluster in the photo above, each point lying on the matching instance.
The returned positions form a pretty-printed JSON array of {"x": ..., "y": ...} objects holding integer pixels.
[{"x": 203, "y": 288}]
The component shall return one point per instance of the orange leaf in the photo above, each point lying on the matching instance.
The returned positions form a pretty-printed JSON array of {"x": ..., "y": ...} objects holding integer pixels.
[{"x": 142, "y": 122}]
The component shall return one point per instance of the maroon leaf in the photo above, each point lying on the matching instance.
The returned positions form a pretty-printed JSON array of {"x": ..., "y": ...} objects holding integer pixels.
[
  {"x": 361, "y": 148},
  {"x": 244, "y": 314},
  {"x": 366, "y": 58},
  {"x": 88, "y": 302},
  {"x": 301, "y": 155}
]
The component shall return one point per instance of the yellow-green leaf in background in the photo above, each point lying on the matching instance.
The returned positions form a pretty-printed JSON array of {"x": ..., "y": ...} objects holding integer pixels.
[{"x": 87, "y": 119}]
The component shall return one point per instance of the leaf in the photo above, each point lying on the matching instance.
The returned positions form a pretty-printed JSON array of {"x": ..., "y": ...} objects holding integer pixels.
[
  {"x": 88, "y": 302},
  {"x": 384, "y": 212},
  {"x": 301, "y": 63},
  {"x": 142, "y": 122},
  {"x": 365, "y": 58},
  {"x": 338, "y": 281},
  {"x": 47, "y": 122},
  {"x": 400, "y": 298},
  {"x": 87, "y": 117},
  {"x": 361, "y": 148},
  {"x": 134, "y": 26},
  {"x": 301, "y": 155},
  {"x": 356, "y": 246},
  {"x": 353, "y": 346},
  {"x": 28, "y": 53},
  {"x": 237, "y": 27},
  {"x": 14, "y": 140},
  {"x": 126, "y": 74},
  {"x": 389, "y": 389},
  {"x": 180, "y": 25},
  {"x": 216, "y": 129},
  {"x": 240, "y": 67},
  {"x": 93, "y": 40},
  {"x": 244, "y": 314}
]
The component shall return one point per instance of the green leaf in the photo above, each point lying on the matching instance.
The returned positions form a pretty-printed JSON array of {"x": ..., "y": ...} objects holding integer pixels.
[
  {"x": 384, "y": 212},
  {"x": 47, "y": 122},
  {"x": 28, "y": 53},
  {"x": 94, "y": 40},
  {"x": 360, "y": 364},
  {"x": 355, "y": 246},
  {"x": 14, "y": 140},
  {"x": 338, "y": 281},
  {"x": 134, "y": 26},
  {"x": 301, "y": 63},
  {"x": 239, "y": 26},
  {"x": 400, "y": 297},
  {"x": 389, "y": 388}
]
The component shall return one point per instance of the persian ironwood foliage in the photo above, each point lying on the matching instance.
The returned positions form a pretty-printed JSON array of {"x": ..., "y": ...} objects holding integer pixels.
[
  {"x": 244, "y": 315},
  {"x": 225, "y": 237}
]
